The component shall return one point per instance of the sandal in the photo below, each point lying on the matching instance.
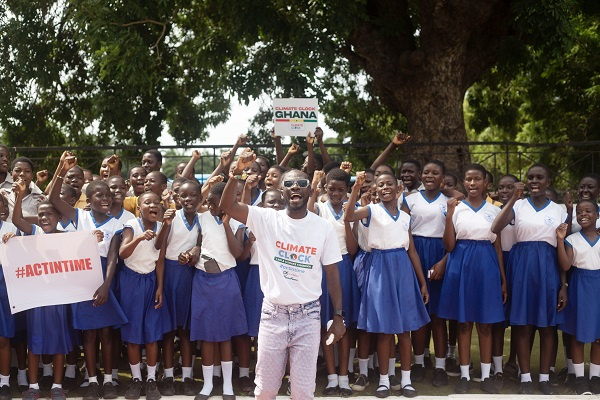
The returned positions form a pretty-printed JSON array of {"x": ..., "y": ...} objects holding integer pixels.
[
  {"x": 382, "y": 392},
  {"x": 409, "y": 391}
]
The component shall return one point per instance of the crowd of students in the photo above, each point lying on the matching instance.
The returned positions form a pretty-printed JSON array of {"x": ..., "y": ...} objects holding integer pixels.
[{"x": 427, "y": 254}]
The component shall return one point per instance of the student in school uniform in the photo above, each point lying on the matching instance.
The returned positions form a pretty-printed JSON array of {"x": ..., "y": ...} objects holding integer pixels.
[
  {"x": 141, "y": 284},
  {"x": 581, "y": 253},
  {"x": 395, "y": 291},
  {"x": 535, "y": 284},
  {"x": 216, "y": 294},
  {"x": 474, "y": 286},
  {"x": 180, "y": 259},
  {"x": 22, "y": 169}
]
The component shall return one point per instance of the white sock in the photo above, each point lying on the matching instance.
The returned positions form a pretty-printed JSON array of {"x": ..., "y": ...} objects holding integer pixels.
[
  {"x": 526, "y": 377},
  {"x": 594, "y": 370},
  {"x": 332, "y": 380},
  {"x": 497, "y": 364},
  {"x": 579, "y": 370},
  {"x": 34, "y": 386},
  {"x": 544, "y": 377},
  {"x": 451, "y": 352},
  {"x": 168, "y": 372},
  {"x": 115, "y": 374},
  {"x": 363, "y": 366},
  {"x": 56, "y": 385},
  {"x": 405, "y": 380},
  {"x": 244, "y": 372},
  {"x": 47, "y": 368},
  {"x": 70, "y": 371},
  {"x": 392, "y": 366},
  {"x": 370, "y": 364},
  {"x": 207, "y": 373},
  {"x": 217, "y": 370},
  {"x": 4, "y": 380},
  {"x": 384, "y": 380},
  {"x": 22, "y": 377},
  {"x": 485, "y": 370},
  {"x": 344, "y": 382},
  {"x": 151, "y": 372},
  {"x": 93, "y": 379},
  {"x": 227, "y": 367},
  {"x": 136, "y": 371},
  {"x": 464, "y": 372},
  {"x": 440, "y": 363},
  {"x": 108, "y": 378},
  {"x": 570, "y": 369},
  {"x": 186, "y": 372},
  {"x": 352, "y": 354},
  {"x": 420, "y": 359}
]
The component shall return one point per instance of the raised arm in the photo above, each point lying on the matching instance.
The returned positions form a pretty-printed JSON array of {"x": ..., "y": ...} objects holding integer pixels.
[
  {"x": 318, "y": 175},
  {"x": 350, "y": 214},
  {"x": 507, "y": 213},
  {"x": 449, "y": 238},
  {"x": 251, "y": 182},
  {"x": 398, "y": 139},
  {"x": 64, "y": 208},
  {"x": 324, "y": 153},
  {"x": 161, "y": 238},
  {"x": 229, "y": 204},
  {"x": 64, "y": 155},
  {"x": 294, "y": 148},
  {"x": 278, "y": 147},
  {"x": 21, "y": 223},
  {"x": 188, "y": 171},
  {"x": 235, "y": 241}
]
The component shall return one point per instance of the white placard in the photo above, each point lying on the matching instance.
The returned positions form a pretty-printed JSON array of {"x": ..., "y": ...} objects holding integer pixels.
[
  {"x": 295, "y": 117},
  {"x": 44, "y": 270}
]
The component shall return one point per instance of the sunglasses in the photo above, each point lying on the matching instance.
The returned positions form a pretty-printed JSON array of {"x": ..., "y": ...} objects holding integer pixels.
[{"x": 300, "y": 182}]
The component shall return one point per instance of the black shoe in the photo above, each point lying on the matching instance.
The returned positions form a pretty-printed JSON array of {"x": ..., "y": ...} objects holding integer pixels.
[
  {"x": 361, "y": 383},
  {"x": 382, "y": 392},
  {"x": 46, "y": 382},
  {"x": 499, "y": 381},
  {"x": 168, "y": 387},
  {"x": 189, "y": 387},
  {"x": 570, "y": 381},
  {"x": 582, "y": 386},
  {"x": 5, "y": 393},
  {"x": 109, "y": 391},
  {"x": 246, "y": 385},
  {"x": 57, "y": 394},
  {"x": 395, "y": 383},
  {"x": 31, "y": 394},
  {"x": 134, "y": 390},
  {"x": 409, "y": 391},
  {"x": 553, "y": 379},
  {"x": 92, "y": 392},
  {"x": 440, "y": 378},
  {"x": 526, "y": 388},
  {"x": 463, "y": 386},
  {"x": 547, "y": 389},
  {"x": 152, "y": 392},
  {"x": 344, "y": 392},
  {"x": 452, "y": 369},
  {"x": 331, "y": 391},
  {"x": 562, "y": 375},
  {"x": 488, "y": 385},
  {"x": 595, "y": 384},
  {"x": 417, "y": 373},
  {"x": 428, "y": 362}
]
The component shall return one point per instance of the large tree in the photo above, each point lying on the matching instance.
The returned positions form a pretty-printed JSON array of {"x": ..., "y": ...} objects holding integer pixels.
[{"x": 123, "y": 71}]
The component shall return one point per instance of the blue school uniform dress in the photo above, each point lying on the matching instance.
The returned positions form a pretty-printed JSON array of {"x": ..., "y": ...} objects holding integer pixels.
[
  {"x": 86, "y": 316},
  {"x": 582, "y": 314},
  {"x": 217, "y": 308},
  {"x": 242, "y": 268},
  {"x": 428, "y": 221},
  {"x": 177, "y": 287},
  {"x": 391, "y": 302},
  {"x": 472, "y": 287},
  {"x": 137, "y": 285},
  {"x": 7, "y": 320},
  {"x": 350, "y": 292},
  {"x": 123, "y": 216},
  {"x": 253, "y": 294},
  {"x": 534, "y": 280},
  {"x": 50, "y": 328},
  {"x": 364, "y": 251}
]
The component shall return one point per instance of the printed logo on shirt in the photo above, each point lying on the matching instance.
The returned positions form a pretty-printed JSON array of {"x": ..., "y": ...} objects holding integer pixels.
[
  {"x": 489, "y": 217},
  {"x": 405, "y": 225},
  {"x": 443, "y": 209},
  {"x": 295, "y": 255},
  {"x": 549, "y": 220}
]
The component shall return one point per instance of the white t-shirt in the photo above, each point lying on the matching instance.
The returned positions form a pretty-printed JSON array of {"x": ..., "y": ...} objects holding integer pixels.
[
  {"x": 586, "y": 255},
  {"x": 428, "y": 218},
  {"x": 111, "y": 227},
  {"x": 291, "y": 253},
  {"x": 6, "y": 227},
  {"x": 508, "y": 236},
  {"x": 124, "y": 216},
  {"x": 474, "y": 224},
  {"x": 387, "y": 231},
  {"x": 214, "y": 241},
  {"x": 533, "y": 225},
  {"x": 326, "y": 212},
  {"x": 144, "y": 257},
  {"x": 182, "y": 235}
]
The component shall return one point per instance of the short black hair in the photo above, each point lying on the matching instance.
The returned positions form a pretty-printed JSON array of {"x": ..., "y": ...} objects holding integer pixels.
[
  {"x": 266, "y": 161},
  {"x": 592, "y": 202},
  {"x": 95, "y": 186},
  {"x": 76, "y": 168},
  {"x": 279, "y": 168},
  {"x": 369, "y": 171},
  {"x": 163, "y": 177},
  {"x": 23, "y": 160},
  {"x": 331, "y": 165},
  {"x": 156, "y": 154},
  {"x": 511, "y": 176},
  {"x": 69, "y": 190},
  {"x": 110, "y": 178},
  {"x": 544, "y": 167},
  {"x": 134, "y": 167},
  {"x": 180, "y": 181},
  {"x": 489, "y": 176},
  {"x": 338, "y": 174},
  {"x": 593, "y": 176},
  {"x": 453, "y": 176},
  {"x": 146, "y": 194},
  {"x": 476, "y": 167},
  {"x": 217, "y": 189},
  {"x": 389, "y": 167},
  {"x": 264, "y": 194},
  {"x": 387, "y": 173},
  {"x": 191, "y": 182},
  {"x": 439, "y": 164},
  {"x": 416, "y": 163}
]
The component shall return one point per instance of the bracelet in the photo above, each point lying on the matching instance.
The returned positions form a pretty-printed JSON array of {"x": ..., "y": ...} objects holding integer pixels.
[
  {"x": 564, "y": 284},
  {"x": 60, "y": 177}
]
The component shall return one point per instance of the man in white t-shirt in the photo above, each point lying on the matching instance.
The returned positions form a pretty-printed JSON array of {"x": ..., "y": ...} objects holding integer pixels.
[{"x": 294, "y": 247}]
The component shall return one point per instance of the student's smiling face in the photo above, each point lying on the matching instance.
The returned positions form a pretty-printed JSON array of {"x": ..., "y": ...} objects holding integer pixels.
[
  {"x": 48, "y": 217},
  {"x": 149, "y": 206}
]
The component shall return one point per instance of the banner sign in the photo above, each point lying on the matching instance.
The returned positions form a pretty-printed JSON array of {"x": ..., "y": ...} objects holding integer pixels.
[
  {"x": 45, "y": 270},
  {"x": 295, "y": 117}
]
